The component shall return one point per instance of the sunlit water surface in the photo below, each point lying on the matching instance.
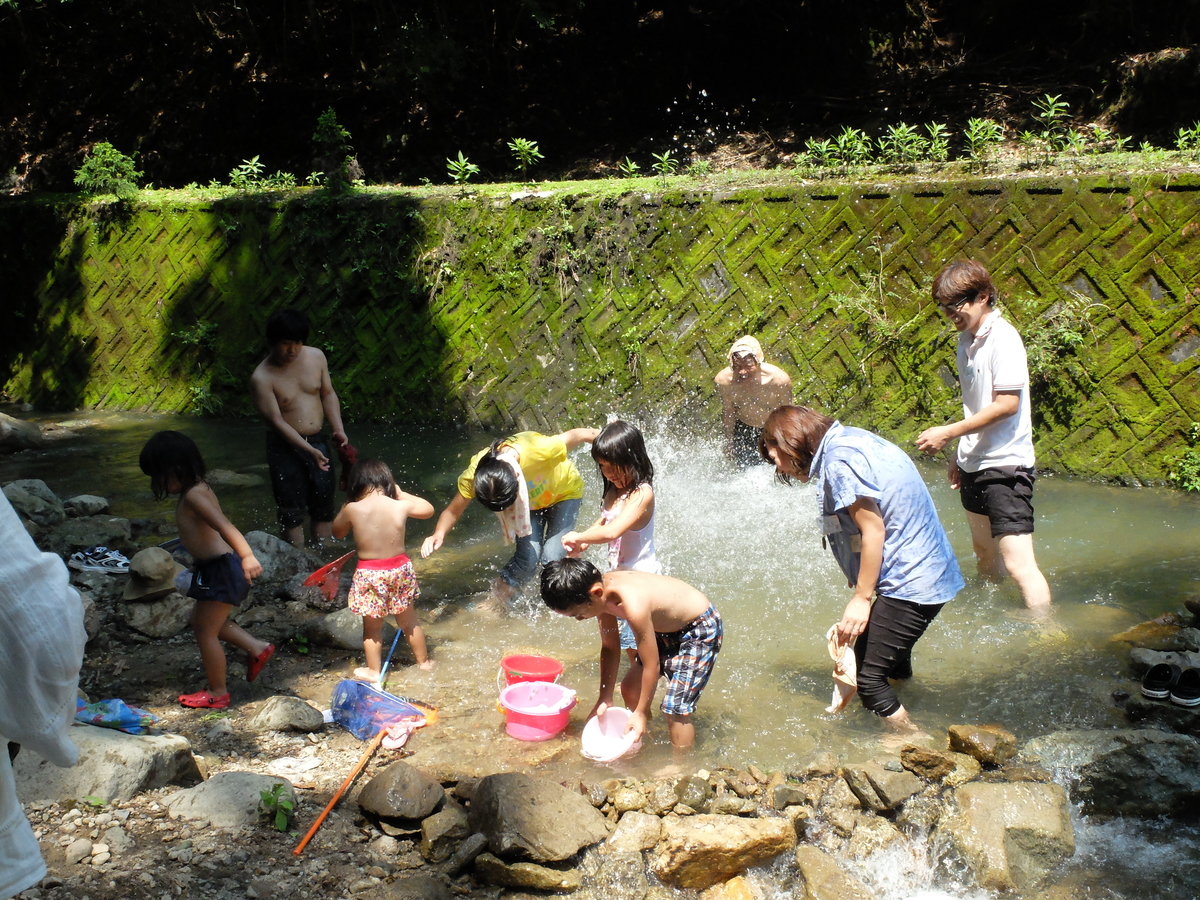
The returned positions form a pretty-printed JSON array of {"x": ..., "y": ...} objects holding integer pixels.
[{"x": 1113, "y": 557}]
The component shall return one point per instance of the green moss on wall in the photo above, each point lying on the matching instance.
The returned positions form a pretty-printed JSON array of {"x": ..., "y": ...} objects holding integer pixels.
[{"x": 546, "y": 311}]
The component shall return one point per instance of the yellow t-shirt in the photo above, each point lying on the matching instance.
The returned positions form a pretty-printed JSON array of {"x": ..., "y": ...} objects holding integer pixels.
[{"x": 549, "y": 472}]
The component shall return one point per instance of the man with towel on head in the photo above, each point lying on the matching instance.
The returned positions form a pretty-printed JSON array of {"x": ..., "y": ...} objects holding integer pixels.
[{"x": 750, "y": 389}]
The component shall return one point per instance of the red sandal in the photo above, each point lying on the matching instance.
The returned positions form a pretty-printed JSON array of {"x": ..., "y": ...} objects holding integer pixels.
[
  {"x": 205, "y": 700},
  {"x": 254, "y": 664}
]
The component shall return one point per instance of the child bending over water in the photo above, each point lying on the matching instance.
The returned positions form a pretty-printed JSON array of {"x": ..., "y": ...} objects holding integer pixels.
[
  {"x": 626, "y": 520},
  {"x": 384, "y": 583},
  {"x": 678, "y": 635},
  {"x": 225, "y": 564}
]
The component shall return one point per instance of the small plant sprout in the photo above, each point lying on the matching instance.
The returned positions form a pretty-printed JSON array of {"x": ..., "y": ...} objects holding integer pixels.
[
  {"x": 462, "y": 169},
  {"x": 1052, "y": 113},
  {"x": 525, "y": 152},
  {"x": 277, "y": 807},
  {"x": 628, "y": 168},
  {"x": 664, "y": 165},
  {"x": 983, "y": 136},
  {"x": 246, "y": 175},
  {"x": 698, "y": 168},
  {"x": 853, "y": 147},
  {"x": 821, "y": 153},
  {"x": 108, "y": 171},
  {"x": 902, "y": 144},
  {"x": 938, "y": 145},
  {"x": 1187, "y": 140}
]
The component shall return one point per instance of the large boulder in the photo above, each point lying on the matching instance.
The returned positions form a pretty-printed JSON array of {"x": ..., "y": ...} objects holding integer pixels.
[
  {"x": 41, "y": 507},
  {"x": 533, "y": 818},
  {"x": 281, "y": 713},
  {"x": 17, "y": 434},
  {"x": 824, "y": 879},
  {"x": 1008, "y": 835},
  {"x": 1147, "y": 774},
  {"x": 1147, "y": 713},
  {"x": 878, "y": 788},
  {"x": 112, "y": 765},
  {"x": 112, "y": 532},
  {"x": 160, "y": 618},
  {"x": 85, "y": 505},
  {"x": 635, "y": 832},
  {"x": 1142, "y": 660},
  {"x": 1065, "y": 751},
  {"x": 279, "y": 559},
  {"x": 228, "y": 800},
  {"x": 700, "y": 851},
  {"x": 402, "y": 792},
  {"x": 990, "y": 744}
]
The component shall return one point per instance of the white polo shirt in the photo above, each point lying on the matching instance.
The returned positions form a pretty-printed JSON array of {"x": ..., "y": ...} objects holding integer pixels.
[{"x": 994, "y": 360}]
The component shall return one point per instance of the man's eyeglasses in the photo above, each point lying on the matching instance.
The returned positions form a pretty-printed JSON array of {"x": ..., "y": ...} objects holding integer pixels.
[{"x": 958, "y": 304}]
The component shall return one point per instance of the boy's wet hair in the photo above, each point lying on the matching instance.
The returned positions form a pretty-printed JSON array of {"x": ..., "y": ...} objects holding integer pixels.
[
  {"x": 622, "y": 445},
  {"x": 962, "y": 280},
  {"x": 795, "y": 432},
  {"x": 172, "y": 456},
  {"x": 566, "y": 583},
  {"x": 371, "y": 475},
  {"x": 495, "y": 481},
  {"x": 287, "y": 325}
]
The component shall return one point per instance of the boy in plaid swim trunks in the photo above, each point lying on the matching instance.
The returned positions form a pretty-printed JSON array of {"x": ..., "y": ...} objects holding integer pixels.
[
  {"x": 678, "y": 635},
  {"x": 384, "y": 583}
]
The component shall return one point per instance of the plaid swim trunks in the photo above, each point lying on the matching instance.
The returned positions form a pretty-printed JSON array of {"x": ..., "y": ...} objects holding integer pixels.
[
  {"x": 383, "y": 587},
  {"x": 687, "y": 657}
]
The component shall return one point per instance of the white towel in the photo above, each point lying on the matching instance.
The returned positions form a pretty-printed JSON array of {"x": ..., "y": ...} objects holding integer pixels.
[
  {"x": 514, "y": 521},
  {"x": 845, "y": 671}
]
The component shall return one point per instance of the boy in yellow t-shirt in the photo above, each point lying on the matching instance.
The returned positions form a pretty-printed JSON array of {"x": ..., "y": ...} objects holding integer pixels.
[{"x": 529, "y": 481}]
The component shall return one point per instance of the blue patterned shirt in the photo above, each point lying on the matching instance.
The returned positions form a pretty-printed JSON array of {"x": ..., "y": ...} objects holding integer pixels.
[{"x": 918, "y": 562}]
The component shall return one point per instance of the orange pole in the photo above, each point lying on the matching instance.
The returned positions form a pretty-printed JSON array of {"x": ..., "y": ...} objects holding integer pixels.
[{"x": 338, "y": 796}]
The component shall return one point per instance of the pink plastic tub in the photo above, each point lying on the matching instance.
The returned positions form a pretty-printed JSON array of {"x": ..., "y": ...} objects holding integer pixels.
[{"x": 536, "y": 710}]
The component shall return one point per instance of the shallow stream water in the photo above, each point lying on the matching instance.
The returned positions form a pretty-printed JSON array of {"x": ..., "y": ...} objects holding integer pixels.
[{"x": 1113, "y": 557}]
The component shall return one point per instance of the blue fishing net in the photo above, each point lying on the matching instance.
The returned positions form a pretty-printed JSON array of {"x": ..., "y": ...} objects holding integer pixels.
[{"x": 364, "y": 710}]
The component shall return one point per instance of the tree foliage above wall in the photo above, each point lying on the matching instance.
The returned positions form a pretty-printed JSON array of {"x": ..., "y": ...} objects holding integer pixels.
[{"x": 196, "y": 87}]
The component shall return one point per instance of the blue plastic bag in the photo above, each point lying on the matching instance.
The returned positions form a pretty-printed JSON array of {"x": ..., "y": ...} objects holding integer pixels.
[{"x": 115, "y": 714}]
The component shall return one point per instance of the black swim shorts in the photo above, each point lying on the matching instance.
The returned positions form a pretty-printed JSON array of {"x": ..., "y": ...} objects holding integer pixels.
[
  {"x": 220, "y": 580},
  {"x": 745, "y": 445},
  {"x": 1003, "y": 494},
  {"x": 299, "y": 485}
]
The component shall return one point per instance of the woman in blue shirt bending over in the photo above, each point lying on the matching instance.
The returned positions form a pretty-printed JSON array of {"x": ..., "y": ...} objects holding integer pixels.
[{"x": 884, "y": 531}]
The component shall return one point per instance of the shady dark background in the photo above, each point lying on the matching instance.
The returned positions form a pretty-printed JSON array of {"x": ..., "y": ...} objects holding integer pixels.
[{"x": 193, "y": 88}]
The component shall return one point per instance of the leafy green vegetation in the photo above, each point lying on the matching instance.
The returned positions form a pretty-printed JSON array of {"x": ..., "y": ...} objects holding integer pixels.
[
  {"x": 276, "y": 807},
  {"x": 1183, "y": 470},
  {"x": 462, "y": 169},
  {"x": 665, "y": 165},
  {"x": 108, "y": 171},
  {"x": 526, "y": 154}
]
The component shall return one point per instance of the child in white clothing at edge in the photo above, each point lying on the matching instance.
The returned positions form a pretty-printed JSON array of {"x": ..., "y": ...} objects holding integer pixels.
[
  {"x": 384, "y": 583},
  {"x": 626, "y": 520}
]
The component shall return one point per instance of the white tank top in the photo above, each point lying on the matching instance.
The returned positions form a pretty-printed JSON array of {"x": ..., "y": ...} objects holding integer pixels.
[{"x": 633, "y": 549}]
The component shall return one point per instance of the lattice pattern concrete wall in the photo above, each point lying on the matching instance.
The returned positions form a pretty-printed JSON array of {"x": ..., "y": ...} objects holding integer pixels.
[{"x": 544, "y": 312}]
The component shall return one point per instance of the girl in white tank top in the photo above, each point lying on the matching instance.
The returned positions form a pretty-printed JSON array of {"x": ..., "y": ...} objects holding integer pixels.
[{"x": 626, "y": 520}]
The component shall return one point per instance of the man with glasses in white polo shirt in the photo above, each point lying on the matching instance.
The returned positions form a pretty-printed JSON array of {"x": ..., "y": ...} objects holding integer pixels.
[{"x": 994, "y": 467}]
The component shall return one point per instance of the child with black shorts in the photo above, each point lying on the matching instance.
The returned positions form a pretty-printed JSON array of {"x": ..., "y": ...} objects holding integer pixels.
[
  {"x": 225, "y": 564},
  {"x": 678, "y": 634}
]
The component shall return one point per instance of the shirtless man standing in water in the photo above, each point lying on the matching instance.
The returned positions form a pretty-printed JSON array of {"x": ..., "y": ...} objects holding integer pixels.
[
  {"x": 292, "y": 390},
  {"x": 750, "y": 390}
]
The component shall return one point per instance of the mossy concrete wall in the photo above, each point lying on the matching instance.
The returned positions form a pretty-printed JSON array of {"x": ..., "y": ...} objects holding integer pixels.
[{"x": 548, "y": 311}]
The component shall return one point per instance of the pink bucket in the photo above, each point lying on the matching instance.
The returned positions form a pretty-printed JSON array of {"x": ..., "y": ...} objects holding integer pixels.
[{"x": 536, "y": 710}]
